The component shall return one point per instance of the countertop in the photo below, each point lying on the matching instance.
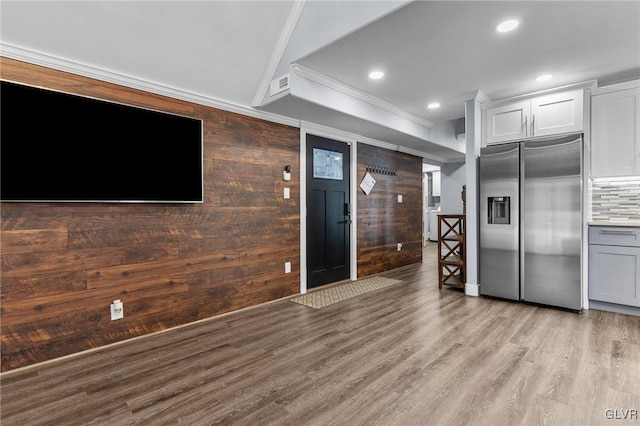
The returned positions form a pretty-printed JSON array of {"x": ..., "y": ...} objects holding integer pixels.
[{"x": 633, "y": 223}]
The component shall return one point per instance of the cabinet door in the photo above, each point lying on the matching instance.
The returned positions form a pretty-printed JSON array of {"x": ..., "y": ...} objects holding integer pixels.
[
  {"x": 615, "y": 134},
  {"x": 557, "y": 113},
  {"x": 614, "y": 274},
  {"x": 436, "y": 183},
  {"x": 507, "y": 123}
]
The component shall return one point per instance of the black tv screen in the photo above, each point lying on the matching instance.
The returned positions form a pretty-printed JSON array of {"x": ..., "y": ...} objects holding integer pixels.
[{"x": 60, "y": 147}]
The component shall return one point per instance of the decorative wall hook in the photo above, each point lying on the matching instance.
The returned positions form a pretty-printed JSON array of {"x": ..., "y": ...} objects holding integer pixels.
[{"x": 382, "y": 170}]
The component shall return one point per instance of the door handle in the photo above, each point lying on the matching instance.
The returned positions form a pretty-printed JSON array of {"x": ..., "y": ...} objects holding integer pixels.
[{"x": 347, "y": 221}]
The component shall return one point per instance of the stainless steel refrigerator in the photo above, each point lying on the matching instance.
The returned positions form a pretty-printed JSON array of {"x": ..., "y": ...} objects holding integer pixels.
[{"x": 531, "y": 221}]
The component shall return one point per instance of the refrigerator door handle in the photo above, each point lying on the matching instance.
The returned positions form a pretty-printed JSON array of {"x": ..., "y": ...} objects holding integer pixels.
[
  {"x": 521, "y": 219},
  {"x": 526, "y": 128}
]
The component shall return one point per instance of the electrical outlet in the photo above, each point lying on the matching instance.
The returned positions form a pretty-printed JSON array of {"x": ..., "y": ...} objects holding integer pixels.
[
  {"x": 399, "y": 246},
  {"x": 399, "y": 198},
  {"x": 287, "y": 267},
  {"x": 287, "y": 193},
  {"x": 117, "y": 310}
]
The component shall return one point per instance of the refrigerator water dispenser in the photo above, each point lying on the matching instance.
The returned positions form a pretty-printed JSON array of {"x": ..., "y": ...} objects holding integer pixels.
[{"x": 499, "y": 210}]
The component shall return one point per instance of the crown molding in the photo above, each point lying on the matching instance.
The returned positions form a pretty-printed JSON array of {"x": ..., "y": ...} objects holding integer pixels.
[
  {"x": 278, "y": 51},
  {"x": 475, "y": 95},
  {"x": 53, "y": 62},
  {"x": 73, "y": 67},
  {"x": 328, "y": 132},
  {"x": 615, "y": 87},
  {"x": 348, "y": 137},
  {"x": 584, "y": 85},
  {"x": 343, "y": 88}
]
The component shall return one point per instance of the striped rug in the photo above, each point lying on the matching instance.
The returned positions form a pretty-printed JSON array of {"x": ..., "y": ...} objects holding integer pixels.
[{"x": 320, "y": 298}]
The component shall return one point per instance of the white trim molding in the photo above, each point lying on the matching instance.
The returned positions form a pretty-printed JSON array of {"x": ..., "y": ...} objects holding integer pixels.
[
  {"x": 475, "y": 94},
  {"x": 278, "y": 51},
  {"x": 616, "y": 87},
  {"x": 343, "y": 88},
  {"x": 303, "y": 208},
  {"x": 342, "y": 135},
  {"x": 60, "y": 64},
  {"x": 589, "y": 84},
  {"x": 472, "y": 289}
]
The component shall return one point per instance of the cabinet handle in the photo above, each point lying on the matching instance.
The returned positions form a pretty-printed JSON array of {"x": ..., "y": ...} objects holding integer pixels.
[
  {"x": 533, "y": 125},
  {"x": 526, "y": 128},
  {"x": 612, "y": 232}
]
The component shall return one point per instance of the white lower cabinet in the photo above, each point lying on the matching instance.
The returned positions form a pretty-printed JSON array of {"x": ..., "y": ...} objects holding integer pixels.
[{"x": 614, "y": 268}]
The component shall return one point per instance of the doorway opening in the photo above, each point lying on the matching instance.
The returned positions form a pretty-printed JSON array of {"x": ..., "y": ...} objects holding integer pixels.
[{"x": 431, "y": 202}]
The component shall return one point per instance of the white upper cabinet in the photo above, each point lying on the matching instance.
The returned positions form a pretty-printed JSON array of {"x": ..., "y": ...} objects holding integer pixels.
[
  {"x": 436, "y": 183},
  {"x": 557, "y": 113},
  {"x": 506, "y": 123},
  {"x": 546, "y": 115},
  {"x": 615, "y": 133}
]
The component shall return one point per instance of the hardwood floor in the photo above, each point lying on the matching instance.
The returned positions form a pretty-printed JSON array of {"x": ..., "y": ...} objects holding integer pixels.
[{"x": 406, "y": 354}]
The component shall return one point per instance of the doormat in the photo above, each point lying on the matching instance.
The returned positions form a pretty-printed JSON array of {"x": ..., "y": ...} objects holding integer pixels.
[{"x": 322, "y": 298}]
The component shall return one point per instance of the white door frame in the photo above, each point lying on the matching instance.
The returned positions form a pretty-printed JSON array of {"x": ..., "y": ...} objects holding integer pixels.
[{"x": 350, "y": 140}]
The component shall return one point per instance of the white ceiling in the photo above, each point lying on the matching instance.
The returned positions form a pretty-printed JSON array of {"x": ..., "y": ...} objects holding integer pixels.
[
  {"x": 440, "y": 50},
  {"x": 216, "y": 49},
  {"x": 429, "y": 50}
]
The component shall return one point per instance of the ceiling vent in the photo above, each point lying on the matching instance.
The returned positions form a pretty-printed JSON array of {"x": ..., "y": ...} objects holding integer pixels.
[
  {"x": 461, "y": 129},
  {"x": 280, "y": 84}
]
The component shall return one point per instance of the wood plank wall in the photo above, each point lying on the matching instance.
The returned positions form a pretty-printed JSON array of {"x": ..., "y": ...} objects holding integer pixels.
[
  {"x": 63, "y": 264},
  {"x": 382, "y": 221}
]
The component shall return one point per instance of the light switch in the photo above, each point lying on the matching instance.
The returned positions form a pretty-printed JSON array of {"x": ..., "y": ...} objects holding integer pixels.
[
  {"x": 287, "y": 267},
  {"x": 117, "y": 310},
  {"x": 287, "y": 193},
  {"x": 399, "y": 198}
]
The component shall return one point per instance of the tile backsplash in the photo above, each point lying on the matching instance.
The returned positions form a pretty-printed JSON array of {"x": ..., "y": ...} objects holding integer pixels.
[{"x": 615, "y": 199}]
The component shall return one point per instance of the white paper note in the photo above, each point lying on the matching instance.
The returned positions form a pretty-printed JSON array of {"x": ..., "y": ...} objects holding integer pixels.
[{"x": 367, "y": 183}]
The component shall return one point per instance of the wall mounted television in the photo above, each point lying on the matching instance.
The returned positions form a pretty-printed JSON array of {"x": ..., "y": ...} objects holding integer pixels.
[{"x": 59, "y": 147}]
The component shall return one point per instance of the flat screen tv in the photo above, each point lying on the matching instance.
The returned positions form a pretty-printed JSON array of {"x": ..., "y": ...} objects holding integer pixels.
[{"x": 60, "y": 147}]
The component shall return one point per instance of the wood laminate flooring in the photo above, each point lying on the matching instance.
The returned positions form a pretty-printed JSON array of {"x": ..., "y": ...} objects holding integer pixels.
[{"x": 407, "y": 354}]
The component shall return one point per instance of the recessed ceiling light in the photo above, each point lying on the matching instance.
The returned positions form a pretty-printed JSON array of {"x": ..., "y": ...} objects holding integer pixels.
[
  {"x": 544, "y": 77},
  {"x": 507, "y": 26},
  {"x": 433, "y": 105},
  {"x": 376, "y": 75}
]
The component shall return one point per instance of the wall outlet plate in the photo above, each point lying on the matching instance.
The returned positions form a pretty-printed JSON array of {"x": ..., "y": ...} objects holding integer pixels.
[
  {"x": 287, "y": 267},
  {"x": 399, "y": 198},
  {"x": 287, "y": 193}
]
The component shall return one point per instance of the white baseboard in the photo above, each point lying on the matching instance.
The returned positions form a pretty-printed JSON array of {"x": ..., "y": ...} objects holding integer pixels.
[{"x": 472, "y": 289}]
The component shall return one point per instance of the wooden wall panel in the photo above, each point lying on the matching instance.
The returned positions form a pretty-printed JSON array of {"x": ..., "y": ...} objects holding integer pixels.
[
  {"x": 382, "y": 221},
  {"x": 64, "y": 263}
]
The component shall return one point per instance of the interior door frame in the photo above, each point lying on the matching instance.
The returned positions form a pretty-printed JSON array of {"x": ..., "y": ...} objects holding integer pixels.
[{"x": 326, "y": 132}]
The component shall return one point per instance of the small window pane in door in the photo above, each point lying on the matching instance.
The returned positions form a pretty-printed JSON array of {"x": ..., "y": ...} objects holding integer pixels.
[{"x": 327, "y": 164}]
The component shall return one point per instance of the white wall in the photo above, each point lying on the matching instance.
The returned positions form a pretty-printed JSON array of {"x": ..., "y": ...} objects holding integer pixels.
[
  {"x": 453, "y": 176},
  {"x": 444, "y": 133}
]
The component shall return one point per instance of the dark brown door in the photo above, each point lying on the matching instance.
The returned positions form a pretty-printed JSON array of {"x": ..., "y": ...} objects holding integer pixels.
[{"x": 328, "y": 211}]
